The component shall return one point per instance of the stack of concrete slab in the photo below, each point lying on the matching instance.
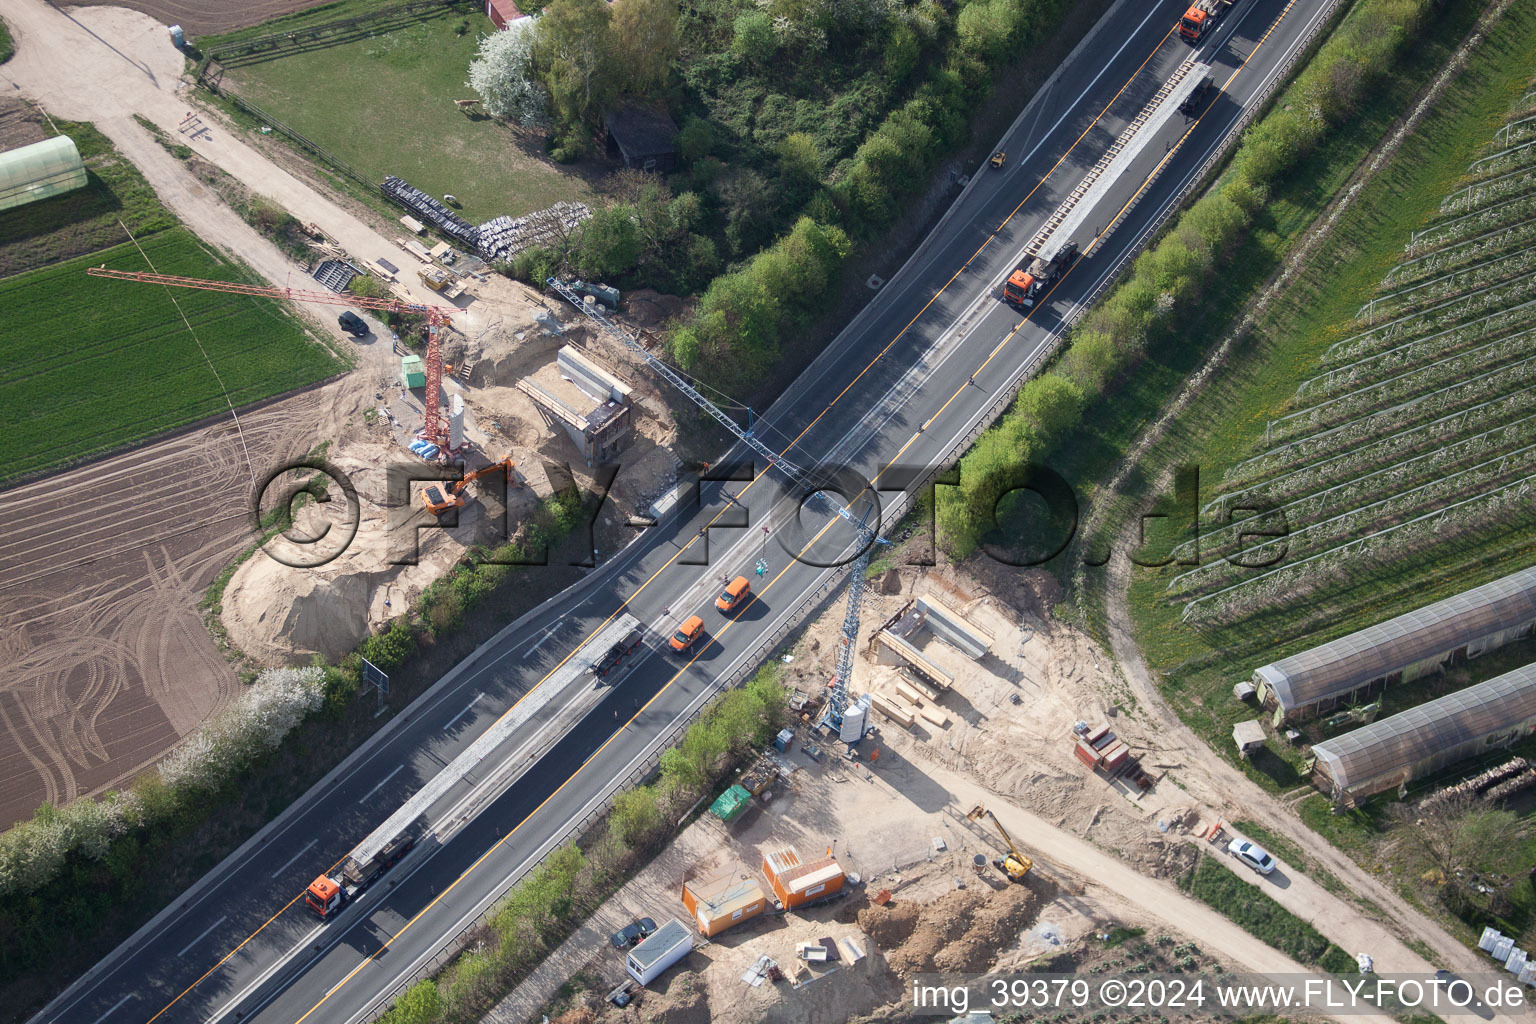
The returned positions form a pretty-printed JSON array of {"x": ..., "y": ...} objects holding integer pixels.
[{"x": 502, "y": 238}]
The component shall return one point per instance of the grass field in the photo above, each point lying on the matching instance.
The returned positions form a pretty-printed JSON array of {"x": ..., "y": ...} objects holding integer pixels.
[
  {"x": 93, "y": 365},
  {"x": 85, "y": 220},
  {"x": 1221, "y": 428},
  {"x": 7, "y": 47},
  {"x": 1213, "y": 883},
  {"x": 385, "y": 106}
]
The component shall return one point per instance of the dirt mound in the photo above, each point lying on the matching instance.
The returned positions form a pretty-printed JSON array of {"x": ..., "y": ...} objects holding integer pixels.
[
  {"x": 890, "y": 925},
  {"x": 683, "y": 1001},
  {"x": 962, "y": 931},
  {"x": 649, "y": 308}
]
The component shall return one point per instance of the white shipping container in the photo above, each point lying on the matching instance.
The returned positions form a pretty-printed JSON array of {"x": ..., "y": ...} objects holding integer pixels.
[{"x": 649, "y": 960}]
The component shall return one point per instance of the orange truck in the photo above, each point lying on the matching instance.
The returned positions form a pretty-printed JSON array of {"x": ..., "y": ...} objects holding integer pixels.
[
  {"x": 1201, "y": 17},
  {"x": 328, "y": 894},
  {"x": 1026, "y": 284}
]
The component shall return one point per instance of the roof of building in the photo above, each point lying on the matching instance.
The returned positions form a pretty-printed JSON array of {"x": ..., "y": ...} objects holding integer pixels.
[
  {"x": 40, "y": 171},
  {"x": 725, "y": 891},
  {"x": 641, "y": 131},
  {"x": 1395, "y": 743},
  {"x": 508, "y": 10},
  {"x": 661, "y": 942},
  {"x": 808, "y": 875},
  {"x": 1350, "y": 661}
]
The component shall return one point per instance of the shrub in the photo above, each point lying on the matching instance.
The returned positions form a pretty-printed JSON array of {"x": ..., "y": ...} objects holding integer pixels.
[{"x": 753, "y": 38}]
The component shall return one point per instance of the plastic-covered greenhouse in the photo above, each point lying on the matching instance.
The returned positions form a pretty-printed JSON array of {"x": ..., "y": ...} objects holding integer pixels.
[
  {"x": 1412, "y": 645},
  {"x": 1424, "y": 739},
  {"x": 40, "y": 171}
]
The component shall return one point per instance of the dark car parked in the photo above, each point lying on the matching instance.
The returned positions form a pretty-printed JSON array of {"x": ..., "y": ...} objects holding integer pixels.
[
  {"x": 633, "y": 934},
  {"x": 353, "y": 324}
]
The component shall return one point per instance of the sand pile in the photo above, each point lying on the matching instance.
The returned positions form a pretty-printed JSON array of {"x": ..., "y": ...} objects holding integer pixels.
[
  {"x": 279, "y": 613},
  {"x": 964, "y": 930}
]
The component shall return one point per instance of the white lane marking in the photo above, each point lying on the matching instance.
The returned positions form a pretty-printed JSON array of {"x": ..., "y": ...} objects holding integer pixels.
[
  {"x": 115, "y": 1005},
  {"x": 1130, "y": 37},
  {"x": 203, "y": 936},
  {"x": 545, "y": 636},
  {"x": 287, "y": 863},
  {"x": 381, "y": 782},
  {"x": 467, "y": 709}
]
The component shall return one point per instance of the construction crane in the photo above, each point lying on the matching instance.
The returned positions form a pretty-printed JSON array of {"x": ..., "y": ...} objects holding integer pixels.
[
  {"x": 869, "y": 538},
  {"x": 435, "y": 430},
  {"x": 439, "y": 500},
  {"x": 1016, "y": 866}
]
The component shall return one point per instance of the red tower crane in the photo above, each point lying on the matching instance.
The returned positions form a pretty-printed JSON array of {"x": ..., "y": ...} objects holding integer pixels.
[{"x": 435, "y": 430}]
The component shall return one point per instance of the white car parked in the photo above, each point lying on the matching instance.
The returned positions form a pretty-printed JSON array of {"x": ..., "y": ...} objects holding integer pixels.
[{"x": 1252, "y": 854}]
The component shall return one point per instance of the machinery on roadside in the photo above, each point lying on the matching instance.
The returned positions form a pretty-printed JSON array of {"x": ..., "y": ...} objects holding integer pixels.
[
  {"x": 1015, "y": 865},
  {"x": 439, "y": 499},
  {"x": 1201, "y": 17},
  {"x": 998, "y": 159}
]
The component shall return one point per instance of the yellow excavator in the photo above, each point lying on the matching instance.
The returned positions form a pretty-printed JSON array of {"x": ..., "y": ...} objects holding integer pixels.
[
  {"x": 1016, "y": 866},
  {"x": 440, "y": 498}
]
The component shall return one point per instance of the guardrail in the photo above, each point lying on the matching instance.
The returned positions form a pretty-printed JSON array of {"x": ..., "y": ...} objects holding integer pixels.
[{"x": 824, "y": 589}]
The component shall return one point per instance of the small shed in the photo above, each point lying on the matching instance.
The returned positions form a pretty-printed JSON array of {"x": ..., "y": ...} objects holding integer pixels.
[
  {"x": 411, "y": 369},
  {"x": 796, "y": 882},
  {"x": 644, "y": 137},
  {"x": 502, "y": 12},
  {"x": 40, "y": 171},
  {"x": 1249, "y": 736},
  {"x": 729, "y": 805},
  {"x": 723, "y": 899}
]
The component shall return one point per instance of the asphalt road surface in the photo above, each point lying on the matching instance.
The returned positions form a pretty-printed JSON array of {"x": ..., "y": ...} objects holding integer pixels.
[{"x": 903, "y": 388}]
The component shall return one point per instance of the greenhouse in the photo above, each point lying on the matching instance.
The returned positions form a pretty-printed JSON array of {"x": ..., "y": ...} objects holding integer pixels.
[
  {"x": 1427, "y": 738},
  {"x": 1418, "y": 643},
  {"x": 40, "y": 171}
]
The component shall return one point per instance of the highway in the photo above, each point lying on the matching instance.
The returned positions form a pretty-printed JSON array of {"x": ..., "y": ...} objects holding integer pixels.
[{"x": 904, "y": 387}]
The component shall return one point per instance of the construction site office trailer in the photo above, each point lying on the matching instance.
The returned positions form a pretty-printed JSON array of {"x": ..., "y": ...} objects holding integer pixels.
[
  {"x": 650, "y": 960},
  {"x": 723, "y": 900},
  {"x": 796, "y": 882}
]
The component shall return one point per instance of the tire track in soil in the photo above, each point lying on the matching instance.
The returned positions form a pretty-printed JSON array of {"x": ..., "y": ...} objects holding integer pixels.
[{"x": 102, "y": 569}]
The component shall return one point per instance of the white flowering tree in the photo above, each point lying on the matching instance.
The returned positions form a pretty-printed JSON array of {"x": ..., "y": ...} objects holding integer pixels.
[
  {"x": 32, "y": 852},
  {"x": 503, "y": 75}
]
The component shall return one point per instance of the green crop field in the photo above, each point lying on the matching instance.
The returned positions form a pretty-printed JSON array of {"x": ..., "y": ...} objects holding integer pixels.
[
  {"x": 384, "y": 104},
  {"x": 92, "y": 364}
]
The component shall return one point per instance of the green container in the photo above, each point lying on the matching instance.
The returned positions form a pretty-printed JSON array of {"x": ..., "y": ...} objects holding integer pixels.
[
  {"x": 411, "y": 369},
  {"x": 730, "y": 804}
]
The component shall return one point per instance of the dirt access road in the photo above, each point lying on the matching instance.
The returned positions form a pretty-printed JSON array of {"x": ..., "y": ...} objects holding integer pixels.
[{"x": 110, "y": 662}]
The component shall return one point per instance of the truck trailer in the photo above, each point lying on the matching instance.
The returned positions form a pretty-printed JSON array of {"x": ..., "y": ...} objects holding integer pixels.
[
  {"x": 1030, "y": 281},
  {"x": 617, "y": 653},
  {"x": 1201, "y": 17},
  {"x": 328, "y": 894}
]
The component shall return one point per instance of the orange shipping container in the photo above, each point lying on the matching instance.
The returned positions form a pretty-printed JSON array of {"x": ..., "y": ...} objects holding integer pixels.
[
  {"x": 796, "y": 882},
  {"x": 723, "y": 899}
]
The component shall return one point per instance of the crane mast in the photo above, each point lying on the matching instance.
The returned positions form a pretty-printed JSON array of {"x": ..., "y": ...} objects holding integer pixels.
[{"x": 435, "y": 430}]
